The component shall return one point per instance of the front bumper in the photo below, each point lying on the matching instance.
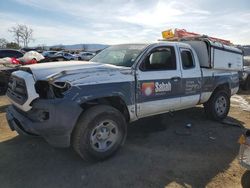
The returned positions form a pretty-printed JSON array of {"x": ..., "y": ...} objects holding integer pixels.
[{"x": 54, "y": 120}]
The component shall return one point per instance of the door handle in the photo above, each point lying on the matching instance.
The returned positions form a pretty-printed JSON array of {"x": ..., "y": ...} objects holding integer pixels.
[{"x": 176, "y": 79}]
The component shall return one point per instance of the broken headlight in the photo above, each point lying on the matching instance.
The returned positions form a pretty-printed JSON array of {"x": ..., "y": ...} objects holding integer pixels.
[
  {"x": 59, "y": 88},
  {"x": 48, "y": 90}
]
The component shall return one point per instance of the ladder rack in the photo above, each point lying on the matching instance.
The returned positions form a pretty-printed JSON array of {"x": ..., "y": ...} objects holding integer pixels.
[{"x": 183, "y": 35}]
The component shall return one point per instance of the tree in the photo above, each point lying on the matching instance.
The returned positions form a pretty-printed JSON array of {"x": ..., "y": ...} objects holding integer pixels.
[
  {"x": 59, "y": 47},
  {"x": 41, "y": 47},
  {"x": 12, "y": 45},
  {"x": 84, "y": 47},
  {"x": 3, "y": 42},
  {"x": 22, "y": 34}
]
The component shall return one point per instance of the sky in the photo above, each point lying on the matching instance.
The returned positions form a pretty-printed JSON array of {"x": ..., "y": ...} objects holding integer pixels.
[{"x": 124, "y": 21}]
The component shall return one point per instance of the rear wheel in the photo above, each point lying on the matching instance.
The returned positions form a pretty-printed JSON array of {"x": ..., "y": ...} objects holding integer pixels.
[
  {"x": 218, "y": 105},
  {"x": 245, "y": 180},
  {"x": 99, "y": 133}
]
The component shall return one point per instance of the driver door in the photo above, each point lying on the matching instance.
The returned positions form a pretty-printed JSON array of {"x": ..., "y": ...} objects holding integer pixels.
[{"x": 158, "y": 82}]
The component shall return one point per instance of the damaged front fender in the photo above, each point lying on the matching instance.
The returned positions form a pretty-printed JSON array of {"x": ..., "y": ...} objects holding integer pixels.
[{"x": 54, "y": 120}]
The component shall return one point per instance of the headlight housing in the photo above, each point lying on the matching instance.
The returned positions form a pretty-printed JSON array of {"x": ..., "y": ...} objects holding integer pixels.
[
  {"x": 59, "y": 88},
  {"x": 48, "y": 90}
]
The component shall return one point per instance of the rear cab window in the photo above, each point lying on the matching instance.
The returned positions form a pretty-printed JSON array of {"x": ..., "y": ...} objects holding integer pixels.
[{"x": 187, "y": 58}]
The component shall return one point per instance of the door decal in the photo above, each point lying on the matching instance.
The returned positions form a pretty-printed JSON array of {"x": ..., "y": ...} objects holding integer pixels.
[
  {"x": 162, "y": 87},
  {"x": 155, "y": 88},
  {"x": 148, "y": 88}
]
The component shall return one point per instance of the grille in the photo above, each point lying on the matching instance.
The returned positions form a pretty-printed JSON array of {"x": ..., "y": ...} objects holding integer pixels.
[{"x": 17, "y": 90}]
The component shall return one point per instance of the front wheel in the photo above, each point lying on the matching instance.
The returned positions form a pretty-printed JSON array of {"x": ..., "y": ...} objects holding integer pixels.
[
  {"x": 99, "y": 133},
  {"x": 218, "y": 105}
]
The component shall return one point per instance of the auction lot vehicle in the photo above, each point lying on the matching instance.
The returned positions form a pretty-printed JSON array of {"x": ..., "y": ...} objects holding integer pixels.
[
  {"x": 244, "y": 157},
  {"x": 88, "y": 104},
  {"x": 5, "y": 73},
  {"x": 86, "y": 56},
  {"x": 11, "y": 64},
  {"x": 61, "y": 56},
  {"x": 245, "y": 74},
  {"x": 48, "y": 54},
  {"x": 10, "y": 53}
]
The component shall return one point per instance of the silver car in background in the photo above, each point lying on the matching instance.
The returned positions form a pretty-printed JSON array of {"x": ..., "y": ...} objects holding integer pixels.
[{"x": 86, "y": 56}]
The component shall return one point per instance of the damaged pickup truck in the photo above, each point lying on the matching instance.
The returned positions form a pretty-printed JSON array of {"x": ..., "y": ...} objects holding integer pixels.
[{"x": 88, "y": 105}]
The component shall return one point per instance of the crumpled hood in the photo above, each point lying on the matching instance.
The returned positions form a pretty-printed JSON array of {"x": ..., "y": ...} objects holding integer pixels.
[{"x": 79, "y": 72}]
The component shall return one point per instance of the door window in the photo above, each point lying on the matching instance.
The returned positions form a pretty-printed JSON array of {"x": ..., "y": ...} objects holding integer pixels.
[{"x": 160, "y": 59}]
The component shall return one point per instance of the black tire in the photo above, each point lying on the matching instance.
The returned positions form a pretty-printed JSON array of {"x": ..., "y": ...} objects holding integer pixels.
[
  {"x": 211, "y": 108},
  {"x": 246, "y": 85},
  {"x": 245, "y": 180},
  {"x": 88, "y": 125}
]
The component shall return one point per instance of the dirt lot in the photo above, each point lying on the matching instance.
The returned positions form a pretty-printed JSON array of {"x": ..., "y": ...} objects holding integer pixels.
[{"x": 159, "y": 152}]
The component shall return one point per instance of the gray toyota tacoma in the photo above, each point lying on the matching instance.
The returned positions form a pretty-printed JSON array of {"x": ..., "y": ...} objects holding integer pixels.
[{"x": 88, "y": 105}]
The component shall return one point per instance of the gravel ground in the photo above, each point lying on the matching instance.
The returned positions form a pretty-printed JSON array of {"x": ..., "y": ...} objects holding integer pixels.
[{"x": 159, "y": 152}]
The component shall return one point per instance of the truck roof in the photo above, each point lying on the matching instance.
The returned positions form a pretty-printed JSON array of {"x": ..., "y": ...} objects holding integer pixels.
[{"x": 209, "y": 42}]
